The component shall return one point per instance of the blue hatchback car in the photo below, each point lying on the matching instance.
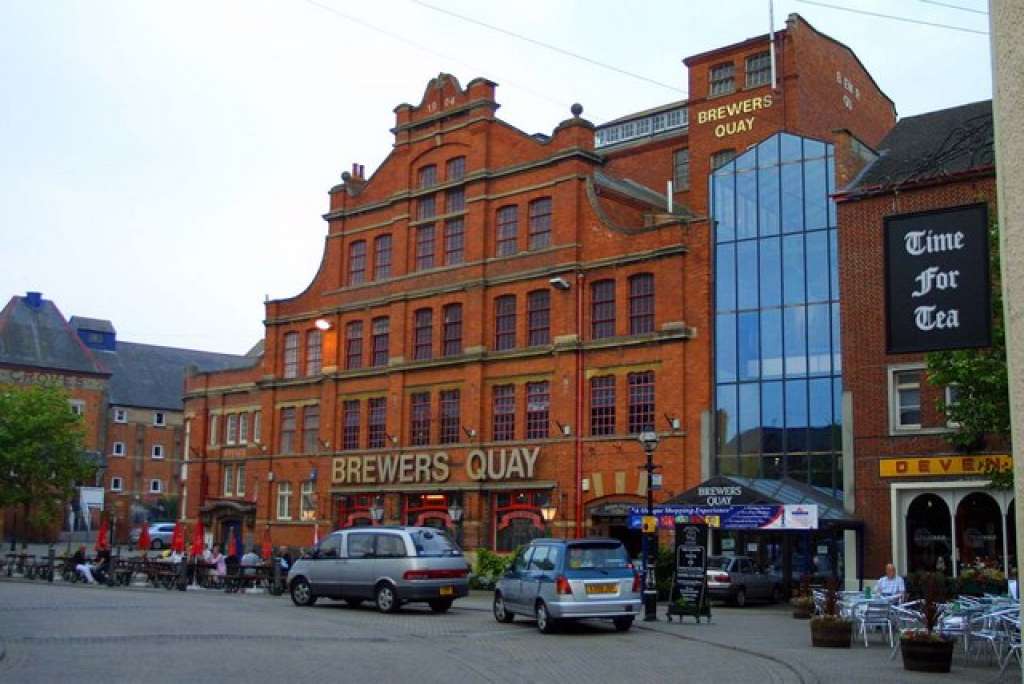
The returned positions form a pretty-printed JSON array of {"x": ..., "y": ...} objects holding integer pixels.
[{"x": 553, "y": 580}]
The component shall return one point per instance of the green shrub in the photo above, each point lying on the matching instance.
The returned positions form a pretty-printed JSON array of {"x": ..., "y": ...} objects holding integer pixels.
[{"x": 490, "y": 566}]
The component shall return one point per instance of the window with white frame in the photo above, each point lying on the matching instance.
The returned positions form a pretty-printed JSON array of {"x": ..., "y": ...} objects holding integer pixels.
[
  {"x": 905, "y": 401},
  {"x": 232, "y": 430},
  {"x": 257, "y": 425},
  {"x": 243, "y": 428},
  {"x": 229, "y": 480},
  {"x": 156, "y": 486},
  {"x": 117, "y": 449},
  {"x": 158, "y": 451},
  {"x": 213, "y": 430},
  {"x": 116, "y": 484},
  {"x": 307, "y": 502},
  {"x": 284, "y": 501},
  {"x": 77, "y": 406},
  {"x": 159, "y": 419},
  {"x": 120, "y": 415},
  {"x": 240, "y": 480},
  {"x": 950, "y": 400}
]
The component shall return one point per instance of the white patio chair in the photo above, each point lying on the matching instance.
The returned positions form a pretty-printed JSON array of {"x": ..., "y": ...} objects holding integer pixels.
[{"x": 871, "y": 616}]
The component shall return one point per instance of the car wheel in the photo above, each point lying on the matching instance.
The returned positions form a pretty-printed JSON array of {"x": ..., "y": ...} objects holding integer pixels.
[
  {"x": 776, "y": 593},
  {"x": 545, "y": 623},
  {"x": 622, "y": 624},
  {"x": 440, "y": 605},
  {"x": 353, "y": 603},
  {"x": 302, "y": 593},
  {"x": 156, "y": 545},
  {"x": 501, "y": 611},
  {"x": 386, "y": 599},
  {"x": 740, "y": 599}
]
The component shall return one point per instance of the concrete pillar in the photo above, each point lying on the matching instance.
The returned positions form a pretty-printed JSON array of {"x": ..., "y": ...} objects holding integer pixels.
[{"x": 1006, "y": 18}]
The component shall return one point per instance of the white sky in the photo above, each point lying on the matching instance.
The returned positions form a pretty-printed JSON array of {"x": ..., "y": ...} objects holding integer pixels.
[{"x": 165, "y": 165}]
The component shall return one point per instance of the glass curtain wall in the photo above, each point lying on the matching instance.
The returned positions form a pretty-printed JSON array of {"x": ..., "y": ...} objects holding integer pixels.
[{"x": 778, "y": 371}]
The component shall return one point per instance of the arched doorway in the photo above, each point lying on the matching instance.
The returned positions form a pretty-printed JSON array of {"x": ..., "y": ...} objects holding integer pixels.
[
  {"x": 929, "y": 537},
  {"x": 979, "y": 532}
]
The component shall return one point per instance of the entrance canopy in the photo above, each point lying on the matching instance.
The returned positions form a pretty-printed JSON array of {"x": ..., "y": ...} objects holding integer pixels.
[{"x": 742, "y": 491}]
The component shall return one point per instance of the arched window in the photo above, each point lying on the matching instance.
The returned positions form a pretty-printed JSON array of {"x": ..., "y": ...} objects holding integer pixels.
[
  {"x": 979, "y": 532},
  {"x": 929, "y": 539}
]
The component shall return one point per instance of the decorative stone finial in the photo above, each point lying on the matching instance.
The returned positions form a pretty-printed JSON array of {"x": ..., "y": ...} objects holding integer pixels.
[
  {"x": 346, "y": 176},
  {"x": 576, "y": 109}
]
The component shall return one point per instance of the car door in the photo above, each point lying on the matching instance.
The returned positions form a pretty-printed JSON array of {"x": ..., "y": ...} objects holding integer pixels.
[
  {"x": 324, "y": 567},
  {"x": 357, "y": 573},
  {"x": 390, "y": 556},
  {"x": 530, "y": 586},
  {"x": 512, "y": 583}
]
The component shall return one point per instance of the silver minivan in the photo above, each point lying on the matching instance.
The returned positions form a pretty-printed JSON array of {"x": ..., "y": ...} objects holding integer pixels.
[
  {"x": 388, "y": 565},
  {"x": 552, "y": 580}
]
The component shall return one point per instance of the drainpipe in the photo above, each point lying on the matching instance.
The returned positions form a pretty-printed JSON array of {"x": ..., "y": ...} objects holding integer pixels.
[{"x": 579, "y": 404}]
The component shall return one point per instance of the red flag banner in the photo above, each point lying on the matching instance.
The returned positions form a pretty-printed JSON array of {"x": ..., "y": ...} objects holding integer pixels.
[
  {"x": 103, "y": 537},
  {"x": 144, "y": 540}
]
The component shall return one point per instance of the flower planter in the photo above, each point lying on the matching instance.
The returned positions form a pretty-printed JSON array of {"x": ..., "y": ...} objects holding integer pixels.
[
  {"x": 831, "y": 632},
  {"x": 927, "y": 655},
  {"x": 801, "y": 610}
]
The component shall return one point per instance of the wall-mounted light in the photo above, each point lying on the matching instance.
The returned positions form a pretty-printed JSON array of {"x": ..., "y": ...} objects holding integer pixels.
[
  {"x": 394, "y": 440},
  {"x": 559, "y": 283},
  {"x": 322, "y": 324},
  {"x": 270, "y": 476},
  {"x": 673, "y": 423},
  {"x": 470, "y": 432},
  {"x": 564, "y": 429}
]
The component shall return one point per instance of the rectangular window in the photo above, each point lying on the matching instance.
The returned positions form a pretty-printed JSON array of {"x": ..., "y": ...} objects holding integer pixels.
[
  {"x": 454, "y": 241},
  {"x": 602, "y": 309},
  {"x": 120, "y": 415},
  {"x": 307, "y": 501},
  {"x": 156, "y": 486},
  {"x": 213, "y": 430},
  {"x": 507, "y": 230},
  {"x": 906, "y": 400},
  {"x": 381, "y": 340},
  {"x": 951, "y": 400},
  {"x": 291, "y": 355},
  {"x": 538, "y": 405},
  {"x": 422, "y": 335},
  {"x": 257, "y": 426},
  {"x": 240, "y": 480},
  {"x": 455, "y": 169},
  {"x": 243, "y": 428},
  {"x": 450, "y": 411},
  {"x": 504, "y": 409},
  {"x": 419, "y": 418},
  {"x": 310, "y": 429},
  {"x": 641, "y": 303},
  {"x": 159, "y": 420},
  {"x": 77, "y": 406},
  {"x": 118, "y": 449},
  {"x": 426, "y": 207},
  {"x": 376, "y": 422},
  {"x": 313, "y": 351},
  {"x": 232, "y": 436},
  {"x": 229, "y": 480},
  {"x": 759, "y": 69},
  {"x": 116, "y": 484},
  {"x": 721, "y": 158},
  {"x": 425, "y": 247},
  {"x": 354, "y": 345},
  {"x": 681, "y": 170},
  {"x": 350, "y": 416},
  {"x": 452, "y": 314},
  {"x": 538, "y": 317},
  {"x": 357, "y": 262},
  {"x": 641, "y": 402},
  {"x": 723, "y": 79},
  {"x": 382, "y": 257},
  {"x": 602, "y": 405},
  {"x": 427, "y": 176},
  {"x": 540, "y": 223},
  {"x": 505, "y": 322},
  {"x": 287, "y": 430},
  {"x": 455, "y": 200},
  {"x": 157, "y": 451},
  {"x": 284, "y": 500}
]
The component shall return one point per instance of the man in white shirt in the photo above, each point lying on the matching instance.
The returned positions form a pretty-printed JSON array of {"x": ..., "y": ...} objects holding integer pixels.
[{"x": 890, "y": 584}]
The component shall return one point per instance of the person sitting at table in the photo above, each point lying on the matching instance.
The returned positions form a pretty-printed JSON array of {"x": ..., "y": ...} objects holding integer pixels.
[
  {"x": 102, "y": 566},
  {"x": 890, "y": 584},
  {"x": 81, "y": 567}
]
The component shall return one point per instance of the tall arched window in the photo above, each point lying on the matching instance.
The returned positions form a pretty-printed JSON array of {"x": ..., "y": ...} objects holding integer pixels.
[
  {"x": 929, "y": 539},
  {"x": 979, "y": 531}
]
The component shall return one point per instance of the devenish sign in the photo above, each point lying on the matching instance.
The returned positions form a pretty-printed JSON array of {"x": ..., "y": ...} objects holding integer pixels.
[{"x": 937, "y": 280}]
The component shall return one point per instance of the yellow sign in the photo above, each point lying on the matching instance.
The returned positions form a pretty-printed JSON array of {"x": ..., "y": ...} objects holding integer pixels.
[
  {"x": 650, "y": 524},
  {"x": 913, "y": 466},
  {"x": 731, "y": 110}
]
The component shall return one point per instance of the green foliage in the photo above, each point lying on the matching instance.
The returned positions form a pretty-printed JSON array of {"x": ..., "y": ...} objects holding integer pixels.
[
  {"x": 491, "y": 565},
  {"x": 980, "y": 375},
  {"x": 41, "y": 452}
]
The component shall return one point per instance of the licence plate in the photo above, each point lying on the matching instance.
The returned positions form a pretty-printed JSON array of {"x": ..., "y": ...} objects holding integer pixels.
[
  {"x": 447, "y": 591},
  {"x": 602, "y": 588}
]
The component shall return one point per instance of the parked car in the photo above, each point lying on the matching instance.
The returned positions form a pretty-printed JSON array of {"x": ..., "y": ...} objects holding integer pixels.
[
  {"x": 552, "y": 580},
  {"x": 389, "y": 565},
  {"x": 160, "y": 534},
  {"x": 738, "y": 579}
]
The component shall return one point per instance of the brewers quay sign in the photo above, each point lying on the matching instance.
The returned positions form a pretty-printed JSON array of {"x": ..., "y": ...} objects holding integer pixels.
[
  {"x": 733, "y": 118},
  {"x": 506, "y": 463}
]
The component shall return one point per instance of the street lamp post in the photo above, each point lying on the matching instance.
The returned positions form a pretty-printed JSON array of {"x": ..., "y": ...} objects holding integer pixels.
[
  {"x": 455, "y": 512},
  {"x": 548, "y": 511},
  {"x": 649, "y": 440}
]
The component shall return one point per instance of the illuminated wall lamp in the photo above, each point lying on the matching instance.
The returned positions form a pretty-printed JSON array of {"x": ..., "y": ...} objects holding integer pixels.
[{"x": 322, "y": 324}]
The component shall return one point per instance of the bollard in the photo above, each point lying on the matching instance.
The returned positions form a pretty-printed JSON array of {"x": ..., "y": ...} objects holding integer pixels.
[
  {"x": 276, "y": 591},
  {"x": 53, "y": 557}
]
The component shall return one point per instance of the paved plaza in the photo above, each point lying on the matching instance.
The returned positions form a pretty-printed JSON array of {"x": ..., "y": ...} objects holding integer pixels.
[{"x": 82, "y": 633}]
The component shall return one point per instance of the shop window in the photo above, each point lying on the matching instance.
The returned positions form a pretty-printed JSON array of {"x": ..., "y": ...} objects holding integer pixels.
[
  {"x": 641, "y": 402},
  {"x": 538, "y": 405},
  {"x": 507, "y": 230},
  {"x": 641, "y": 304},
  {"x": 232, "y": 429},
  {"x": 307, "y": 501},
  {"x": 979, "y": 533},
  {"x": 454, "y": 241},
  {"x": 243, "y": 428},
  {"x": 538, "y": 317},
  {"x": 376, "y": 422},
  {"x": 505, "y": 322},
  {"x": 681, "y": 170},
  {"x": 602, "y": 309},
  {"x": 382, "y": 257},
  {"x": 928, "y": 540},
  {"x": 427, "y": 510},
  {"x": 229, "y": 480},
  {"x": 517, "y": 519},
  {"x": 905, "y": 399},
  {"x": 455, "y": 169},
  {"x": 602, "y": 405},
  {"x": 422, "y": 334},
  {"x": 357, "y": 262},
  {"x": 381, "y": 340},
  {"x": 284, "y": 500},
  {"x": 450, "y": 409},
  {"x": 419, "y": 418},
  {"x": 452, "y": 332},
  {"x": 310, "y": 429},
  {"x": 722, "y": 79},
  {"x": 291, "y": 355},
  {"x": 759, "y": 69},
  {"x": 455, "y": 200},
  {"x": 354, "y": 345},
  {"x": 425, "y": 247},
  {"x": 287, "y": 430},
  {"x": 504, "y": 413},
  {"x": 350, "y": 416},
  {"x": 540, "y": 223},
  {"x": 427, "y": 176},
  {"x": 313, "y": 351}
]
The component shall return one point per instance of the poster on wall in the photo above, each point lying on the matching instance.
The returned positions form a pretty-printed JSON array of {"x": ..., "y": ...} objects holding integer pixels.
[{"x": 937, "y": 280}]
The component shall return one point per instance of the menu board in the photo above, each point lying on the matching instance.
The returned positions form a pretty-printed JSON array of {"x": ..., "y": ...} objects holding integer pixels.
[{"x": 689, "y": 588}]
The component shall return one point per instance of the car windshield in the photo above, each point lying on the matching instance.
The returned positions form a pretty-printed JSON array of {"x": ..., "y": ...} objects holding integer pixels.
[
  {"x": 434, "y": 543},
  {"x": 597, "y": 556},
  {"x": 719, "y": 562}
]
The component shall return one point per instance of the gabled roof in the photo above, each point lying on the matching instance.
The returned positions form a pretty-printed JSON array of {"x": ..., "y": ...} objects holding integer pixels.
[
  {"x": 930, "y": 147},
  {"x": 38, "y": 336}
]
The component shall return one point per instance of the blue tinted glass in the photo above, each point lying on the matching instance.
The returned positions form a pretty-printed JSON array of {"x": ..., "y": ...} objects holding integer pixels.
[
  {"x": 820, "y": 414},
  {"x": 815, "y": 194},
  {"x": 725, "y": 348},
  {"x": 817, "y": 266},
  {"x": 746, "y": 204},
  {"x": 821, "y": 471},
  {"x": 796, "y": 415},
  {"x": 771, "y": 417},
  {"x": 792, "y": 198},
  {"x": 795, "y": 330},
  {"x": 813, "y": 148},
  {"x": 746, "y": 273},
  {"x": 727, "y": 419},
  {"x": 725, "y": 277},
  {"x": 746, "y": 161},
  {"x": 724, "y": 207},
  {"x": 819, "y": 342},
  {"x": 793, "y": 269},
  {"x": 833, "y": 262},
  {"x": 831, "y": 172},
  {"x": 837, "y": 414},
  {"x": 771, "y": 343},
  {"x": 837, "y": 343},
  {"x": 750, "y": 418},
  {"x": 768, "y": 152},
  {"x": 771, "y": 272},
  {"x": 749, "y": 348},
  {"x": 768, "y": 200},
  {"x": 790, "y": 147},
  {"x": 796, "y": 464}
]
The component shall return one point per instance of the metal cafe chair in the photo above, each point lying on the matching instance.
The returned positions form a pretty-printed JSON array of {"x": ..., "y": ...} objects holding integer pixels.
[
  {"x": 1011, "y": 627},
  {"x": 904, "y": 618},
  {"x": 874, "y": 615}
]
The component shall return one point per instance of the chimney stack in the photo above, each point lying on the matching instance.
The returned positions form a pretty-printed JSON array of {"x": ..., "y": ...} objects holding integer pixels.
[{"x": 34, "y": 299}]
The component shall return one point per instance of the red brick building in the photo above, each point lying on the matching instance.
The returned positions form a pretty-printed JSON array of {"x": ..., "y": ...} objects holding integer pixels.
[
  {"x": 497, "y": 314},
  {"x": 925, "y": 504}
]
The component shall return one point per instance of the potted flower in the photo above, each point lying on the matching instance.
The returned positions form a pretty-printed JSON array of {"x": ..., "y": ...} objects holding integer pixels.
[
  {"x": 803, "y": 602},
  {"x": 830, "y": 630},
  {"x": 925, "y": 650}
]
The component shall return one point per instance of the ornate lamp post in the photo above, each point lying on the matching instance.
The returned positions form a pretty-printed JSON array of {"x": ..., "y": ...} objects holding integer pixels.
[
  {"x": 548, "y": 511},
  {"x": 377, "y": 510},
  {"x": 455, "y": 512},
  {"x": 649, "y": 440}
]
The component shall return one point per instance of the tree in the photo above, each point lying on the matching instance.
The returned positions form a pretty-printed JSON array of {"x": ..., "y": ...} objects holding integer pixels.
[
  {"x": 41, "y": 452},
  {"x": 979, "y": 375}
]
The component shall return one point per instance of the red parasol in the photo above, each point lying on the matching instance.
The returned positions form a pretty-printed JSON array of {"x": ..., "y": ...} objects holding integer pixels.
[
  {"x": 198, "y": 540},
  {"x": 103, "y": 537},
  {"x": 178, "y": 538},
  {"x": 267, "y": 549},
  {"x": 144, "y": 540},
  {"x": 232, "y": 546}
]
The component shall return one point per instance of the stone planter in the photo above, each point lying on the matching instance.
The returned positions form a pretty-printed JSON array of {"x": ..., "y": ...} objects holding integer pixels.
[
  {"x": 829, "y": 632},
  {"x": 927, "y": 655}
]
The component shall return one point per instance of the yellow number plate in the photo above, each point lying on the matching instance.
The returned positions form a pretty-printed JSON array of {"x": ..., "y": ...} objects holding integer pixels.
[
  {"x": 602, "y": 588},
  {"x": 447, "y": 591}
]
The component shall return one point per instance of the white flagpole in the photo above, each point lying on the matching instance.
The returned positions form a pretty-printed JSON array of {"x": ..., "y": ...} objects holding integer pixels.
[{"x": 771, "y": 39}]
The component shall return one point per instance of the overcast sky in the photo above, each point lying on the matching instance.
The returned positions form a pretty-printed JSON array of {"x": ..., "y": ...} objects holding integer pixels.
[{"x": 165, "y": 165}]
